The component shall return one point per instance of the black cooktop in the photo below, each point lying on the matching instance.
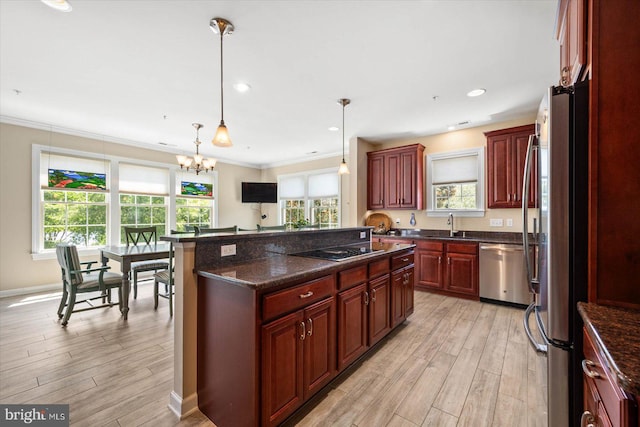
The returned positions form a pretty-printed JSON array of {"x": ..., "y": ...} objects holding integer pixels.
[{"x": 338, "y": 253}]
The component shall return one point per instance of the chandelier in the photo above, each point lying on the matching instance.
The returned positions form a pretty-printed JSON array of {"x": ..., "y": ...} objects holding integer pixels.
[{"x": 197, "y": 163}]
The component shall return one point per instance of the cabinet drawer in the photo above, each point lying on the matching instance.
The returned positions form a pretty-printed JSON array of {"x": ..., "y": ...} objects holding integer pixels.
[
  {"x": 611, "y": 395},
  {"x": 402, "y": 260},
  {"x": 352, "y": 276},
  {"x": 378, "y": 268},
  {"x": 287, "y": 300},
  {"x": 429, "y": 245},
  {"x": 463, "y": 248}
]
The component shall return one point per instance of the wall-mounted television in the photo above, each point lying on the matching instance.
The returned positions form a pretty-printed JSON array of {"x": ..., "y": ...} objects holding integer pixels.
[{"x": 259, "y": 192}]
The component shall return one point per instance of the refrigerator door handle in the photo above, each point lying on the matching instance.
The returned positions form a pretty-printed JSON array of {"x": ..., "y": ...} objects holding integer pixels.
[
  {"x": 540, "y": 348},
  {"x": 525, "y": 211}
]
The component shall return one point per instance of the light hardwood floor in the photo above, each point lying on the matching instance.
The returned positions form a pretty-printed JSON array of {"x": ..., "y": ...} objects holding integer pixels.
[{"x": 454, "y": 362}]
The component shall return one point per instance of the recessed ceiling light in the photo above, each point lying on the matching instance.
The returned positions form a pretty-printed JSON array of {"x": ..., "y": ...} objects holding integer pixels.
[
  {"x": 451, "y": 127},
  {"x": 476, "y": 92},
  {"x": 241, "y": 87},
  {"x": 61, "y": 5},
  {"x": 334, "y": 129}
]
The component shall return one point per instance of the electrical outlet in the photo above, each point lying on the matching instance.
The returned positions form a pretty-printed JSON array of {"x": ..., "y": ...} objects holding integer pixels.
[
  {"x": 495, "y": 222},
  {"x": 363, "y": 234},
  {"x": 227, "y": 250},
  {"x": 509, "y": 222}
]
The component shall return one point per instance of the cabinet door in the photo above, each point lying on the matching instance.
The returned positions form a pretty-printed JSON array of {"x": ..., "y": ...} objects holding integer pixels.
[
  {"x": 282, "y": 362},
  {"x": 319, "y": 346},
  {"x": 462, "y": 273},
  {"x": 398, "y": 302},
  {"x": 572, "y": 38},
  {"x": 430, "y": 269},
  {"x": 375, "y": 182},
  {"x": 379, "y": 308},
  {"x": 408, "y": 289},
  {"x": 407, "y": 180},
  {"x": 392, "y": 167},
  {"x": 352, "y": 324},
  {"x": 499, "y": 171}
]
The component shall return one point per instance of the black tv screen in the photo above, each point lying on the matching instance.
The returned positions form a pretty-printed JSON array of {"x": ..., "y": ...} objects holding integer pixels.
[{"x": 259, "y": 192}]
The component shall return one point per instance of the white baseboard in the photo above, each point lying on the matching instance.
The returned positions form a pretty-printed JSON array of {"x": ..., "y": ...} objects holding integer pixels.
[
  {"x": 31, "y": 290},
  {"x": 183, "y": 407}
]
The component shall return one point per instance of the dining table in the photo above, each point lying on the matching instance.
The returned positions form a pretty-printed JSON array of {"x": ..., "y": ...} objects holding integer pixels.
[{"x": 126, "y": 255}]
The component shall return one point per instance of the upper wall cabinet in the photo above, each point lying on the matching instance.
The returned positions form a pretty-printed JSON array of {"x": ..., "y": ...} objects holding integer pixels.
[
  {"x": 571, "y": 33},
  {"x": 395, "y": 178},
  {"x": 506, "y": 154}
]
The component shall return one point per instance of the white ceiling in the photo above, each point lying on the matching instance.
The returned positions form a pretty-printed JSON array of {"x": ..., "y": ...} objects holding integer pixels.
[{"x": 115, "y": 69}]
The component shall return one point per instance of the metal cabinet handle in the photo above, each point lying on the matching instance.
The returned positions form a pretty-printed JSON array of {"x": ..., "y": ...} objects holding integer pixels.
[
  {"x": 587, "y": 419},
  {"x": 586, "y": 364},
  {"x": 439, "y": 260},
  {"x": 508, "y": 197},
  {"x": 366, "y": 298},
  {"x": 306, "y": 295},
  {"x": 405, "y": 259},
  {"x": 310, "y": 331},
  {"x": 449, "y": 260},
  {"x": 373, "y": 295},
  {"x": 304, "y": 331}
]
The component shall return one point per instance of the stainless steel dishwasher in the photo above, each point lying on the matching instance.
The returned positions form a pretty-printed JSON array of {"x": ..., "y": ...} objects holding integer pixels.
[{"x": 502, "y": 274}]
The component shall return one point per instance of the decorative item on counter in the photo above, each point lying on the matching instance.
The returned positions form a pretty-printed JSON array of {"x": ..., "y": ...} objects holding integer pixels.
[
  {"x": 380, "y": 222},
  {"x": 412, "y": 221}
]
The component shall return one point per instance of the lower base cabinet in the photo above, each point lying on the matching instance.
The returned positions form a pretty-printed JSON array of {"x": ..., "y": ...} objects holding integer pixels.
[
  {"x": 298, "y": 358},
  {"x": 448, "y": 268},
  {"x": 262, "y": 355}
]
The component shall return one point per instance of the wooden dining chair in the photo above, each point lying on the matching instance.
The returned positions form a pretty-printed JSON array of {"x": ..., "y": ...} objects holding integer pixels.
[
  {"x": 144, "y": 236},
  {"x": 202, "y": 230},
  {"x": 165, "y": 277},
  {"x": 78, "y": 277}
]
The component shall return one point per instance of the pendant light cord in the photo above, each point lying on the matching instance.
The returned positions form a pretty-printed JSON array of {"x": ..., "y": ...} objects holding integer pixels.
[
  {"x": 221, "y": 78},
  {"x": 343, "y": 132}
]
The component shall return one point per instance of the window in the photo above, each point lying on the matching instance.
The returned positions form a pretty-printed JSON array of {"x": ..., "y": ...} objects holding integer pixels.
[
  {"x": 312, "y": 197},
  {"x": 143, "y": 197},
  {"x": 455, "y": 181},
  {"x": 194, "y": 201},
  {"x": 74, "y": 201}
]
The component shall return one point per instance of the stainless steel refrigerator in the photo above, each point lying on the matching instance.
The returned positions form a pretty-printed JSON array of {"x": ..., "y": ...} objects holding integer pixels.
[{"x": 557, "y": 229}]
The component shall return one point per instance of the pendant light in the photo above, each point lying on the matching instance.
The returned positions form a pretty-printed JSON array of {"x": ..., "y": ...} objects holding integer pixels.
[
  {"x": 198, "y": 163},
  {"x": 221, "y": 26},
  {"x": 343, "y": 169}
]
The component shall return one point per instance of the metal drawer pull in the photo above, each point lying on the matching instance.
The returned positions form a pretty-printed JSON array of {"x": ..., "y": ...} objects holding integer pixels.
[
  {"x": 586, "y": 364},
  {"x": 306, "y": 295},
  {"x": 587, "y": 419},
  {"x": 373, "y": 295},
  {"x": 405, "y": 259},
  {"x": 366, "y": 298},
  {"x": 310, "y": 331},
  {"x": 304, "y": 331}
]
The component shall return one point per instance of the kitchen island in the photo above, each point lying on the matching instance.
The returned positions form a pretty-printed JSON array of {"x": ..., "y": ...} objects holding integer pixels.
[{"x": 271, "y": 329}]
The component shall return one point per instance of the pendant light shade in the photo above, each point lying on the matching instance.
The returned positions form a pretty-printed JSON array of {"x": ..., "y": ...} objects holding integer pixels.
[
  {"x": 343, "y": 169},
  {"x": 221, "y": 26}
]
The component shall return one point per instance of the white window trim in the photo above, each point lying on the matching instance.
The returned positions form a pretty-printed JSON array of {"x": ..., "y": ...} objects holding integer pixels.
[
  {"x": 480, "y": 203},
  {"x": 113, "y": 214},
  {"x": 306, "y": 191}
]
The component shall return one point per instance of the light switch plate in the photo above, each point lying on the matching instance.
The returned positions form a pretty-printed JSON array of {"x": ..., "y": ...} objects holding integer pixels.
[
  {"x": 509, "y": 222},
  {"x": 227, "y": 250},
  {"x": 495, "y": 222}
]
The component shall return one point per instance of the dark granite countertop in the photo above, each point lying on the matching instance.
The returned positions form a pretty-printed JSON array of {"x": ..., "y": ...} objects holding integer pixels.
[
  {"x": 617, "y": 332},
  {"x": 273, "y": 271},
  {"x": 461, "y": 236}
]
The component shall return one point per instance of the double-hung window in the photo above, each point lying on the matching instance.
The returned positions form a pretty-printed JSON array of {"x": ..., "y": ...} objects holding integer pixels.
[
  {"x": 455, "y": 181},
  {"x": 312, "y": 197},
  {"x": 74, "y": 201},
  {"x": 143, "y": 195},
  {"x": 194, "y": 201}
]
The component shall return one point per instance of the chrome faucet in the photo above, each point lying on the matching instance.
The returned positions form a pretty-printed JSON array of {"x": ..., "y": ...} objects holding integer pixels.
[{"x": 450, "y": 224}]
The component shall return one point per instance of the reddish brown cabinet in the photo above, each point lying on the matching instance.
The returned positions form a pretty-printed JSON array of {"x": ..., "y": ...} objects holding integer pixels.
[
  {"x": 379, "y": 308},
  {"x": 395, "y": 178},
  {"x": 506, "y": 154},
  {"x": 352, "y": 324},
  {"x": 448, "y": 267},
  {"x": 572, "y": 35},
  {"x": 605, "y": 403}
]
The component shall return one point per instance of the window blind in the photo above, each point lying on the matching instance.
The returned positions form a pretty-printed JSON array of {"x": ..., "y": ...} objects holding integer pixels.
[
  {"x": 69, "y": 163},
  {"x": 323, "y": 185},
  {"x": 139, "y": 179},
  {"x": 291, "y": 187},
  {"x": 454, "y": 169}
]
